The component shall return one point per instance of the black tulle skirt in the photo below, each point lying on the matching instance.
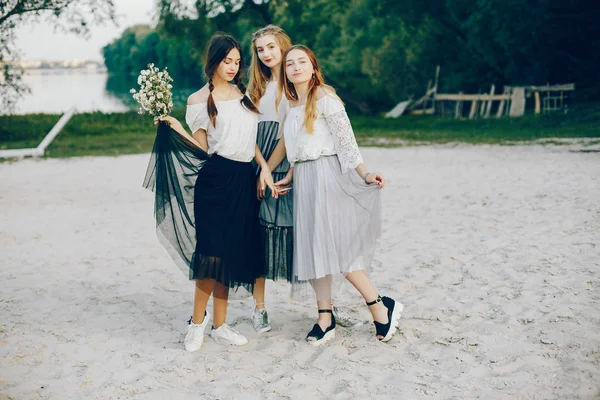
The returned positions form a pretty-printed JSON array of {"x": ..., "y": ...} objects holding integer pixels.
[
  {"x": 276, "y": 216},
  {"x": 206, "y": 211},
  {"x": 227, "y": 230}
]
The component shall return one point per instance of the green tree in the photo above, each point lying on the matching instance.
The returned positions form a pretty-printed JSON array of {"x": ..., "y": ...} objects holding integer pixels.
[{"x": 379, "y": 52}]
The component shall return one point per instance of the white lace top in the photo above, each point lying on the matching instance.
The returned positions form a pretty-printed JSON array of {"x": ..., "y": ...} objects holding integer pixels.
[
  {"x": 332, "y": 134},
  {"x": 235, "y": 134}
]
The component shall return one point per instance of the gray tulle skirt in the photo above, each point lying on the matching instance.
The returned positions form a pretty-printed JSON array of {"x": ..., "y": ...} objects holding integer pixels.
[
  {"x": 337, "y": 221},
  {"x": 275, "y": 216}
]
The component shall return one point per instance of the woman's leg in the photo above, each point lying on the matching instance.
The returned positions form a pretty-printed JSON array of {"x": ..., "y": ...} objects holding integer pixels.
[
  {"x": 202, "y": 292},
  {"x": 259, "y": 293},
  {"x": 363, "y": 284},
  {"x": 220, "y": 299},
  {"x": 195, "y": 334},
  {"x": 322, "y": 288}
]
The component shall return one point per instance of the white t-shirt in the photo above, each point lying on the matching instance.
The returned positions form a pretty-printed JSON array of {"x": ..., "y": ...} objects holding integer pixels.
[
  {"x": 234, "y": 136},
  {"x": 332, "y": 134},
  {"x": 266, "y": 105}
]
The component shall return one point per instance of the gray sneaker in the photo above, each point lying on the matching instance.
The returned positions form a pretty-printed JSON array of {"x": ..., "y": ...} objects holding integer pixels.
[
  {"x": 260, "y": 320},
  {"x": 344, "y": 318}
]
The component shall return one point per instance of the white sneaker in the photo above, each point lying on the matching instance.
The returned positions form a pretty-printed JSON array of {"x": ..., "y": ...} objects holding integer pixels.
[
  {"x": 260, "y": 320},
  {"x": 344, "y": 318},
  {"x": 225, "y": 334},
  {"x": 195, "y": 334}
]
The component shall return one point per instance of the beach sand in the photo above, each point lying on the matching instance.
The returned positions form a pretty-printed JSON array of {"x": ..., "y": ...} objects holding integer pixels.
[{"x": 493, "y": 250}]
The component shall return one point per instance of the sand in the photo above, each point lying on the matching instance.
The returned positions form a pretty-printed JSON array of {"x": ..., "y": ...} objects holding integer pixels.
[{"x": 493, "y": 250}]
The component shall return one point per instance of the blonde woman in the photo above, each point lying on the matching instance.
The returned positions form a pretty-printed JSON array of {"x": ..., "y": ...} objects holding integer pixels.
[
  {"x": 337, "y": 213},
  {"x": 276, "y": 214}
]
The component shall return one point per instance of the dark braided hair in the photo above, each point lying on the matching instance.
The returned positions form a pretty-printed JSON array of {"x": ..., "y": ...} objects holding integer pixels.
[
  {"x": 219, "y": 46},
  {"x": 246, "y": 102}
]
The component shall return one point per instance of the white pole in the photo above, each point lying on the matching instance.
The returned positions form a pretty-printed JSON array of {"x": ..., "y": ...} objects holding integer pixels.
[{"x": 39, "y": 151}]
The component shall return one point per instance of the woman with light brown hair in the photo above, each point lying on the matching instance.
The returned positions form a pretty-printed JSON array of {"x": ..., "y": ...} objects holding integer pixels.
[
  {"x": 276, "y": 214},
  {"x": 337, "y": 211}
]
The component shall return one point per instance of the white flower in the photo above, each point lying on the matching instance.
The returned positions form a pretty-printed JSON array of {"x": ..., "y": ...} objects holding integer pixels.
[{"x": 154, "y": 96}]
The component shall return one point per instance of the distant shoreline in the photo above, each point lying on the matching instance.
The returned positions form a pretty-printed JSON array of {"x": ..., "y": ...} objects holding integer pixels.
[{"x": 64, "y": 71}]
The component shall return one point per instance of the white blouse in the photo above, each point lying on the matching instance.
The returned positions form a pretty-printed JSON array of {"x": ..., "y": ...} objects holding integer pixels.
[
  {"x": 332, "y": 134},
  {"x": 234, "y": 137}
]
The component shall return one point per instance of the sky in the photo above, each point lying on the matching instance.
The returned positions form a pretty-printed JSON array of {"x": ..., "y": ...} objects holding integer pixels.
[{"x": 38, "y": 41}]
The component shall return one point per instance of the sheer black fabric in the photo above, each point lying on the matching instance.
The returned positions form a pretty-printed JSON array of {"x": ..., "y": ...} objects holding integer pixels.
[
  {"x": 205, "y": 209},
  {"x": 172, "y": 171},
  {"x": 276, "y": 216}
]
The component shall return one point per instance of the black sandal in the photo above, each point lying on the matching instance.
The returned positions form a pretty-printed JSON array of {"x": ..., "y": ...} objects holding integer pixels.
[
  {"x": 394, "y": 309},
  {"x": 317, "y": 333}
]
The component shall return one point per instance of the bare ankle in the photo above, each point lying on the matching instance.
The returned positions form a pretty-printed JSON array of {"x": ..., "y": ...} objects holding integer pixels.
[{"x": 324, "y": 321}]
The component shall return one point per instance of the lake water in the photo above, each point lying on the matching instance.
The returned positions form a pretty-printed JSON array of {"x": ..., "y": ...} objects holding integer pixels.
[{"x": 56, "y": 91}]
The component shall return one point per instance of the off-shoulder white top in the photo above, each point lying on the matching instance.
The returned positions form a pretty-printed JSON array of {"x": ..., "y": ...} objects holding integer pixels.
[
  {"x": 234, "y": 136},
  {"x": 332, "y": 134}
]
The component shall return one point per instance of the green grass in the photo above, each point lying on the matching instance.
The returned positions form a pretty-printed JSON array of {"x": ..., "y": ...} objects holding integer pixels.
[
  {"x": 579, "y": 123},
  {"x": 128, "y": 133}
]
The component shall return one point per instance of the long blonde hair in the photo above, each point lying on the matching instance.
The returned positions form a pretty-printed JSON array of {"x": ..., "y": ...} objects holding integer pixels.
[
  {"x": 317, "y": 81},
  {"x": 260, "y": 74}
]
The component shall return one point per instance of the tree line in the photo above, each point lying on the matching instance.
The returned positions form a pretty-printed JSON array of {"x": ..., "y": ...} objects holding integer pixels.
[{"x": 379, "y": 52}]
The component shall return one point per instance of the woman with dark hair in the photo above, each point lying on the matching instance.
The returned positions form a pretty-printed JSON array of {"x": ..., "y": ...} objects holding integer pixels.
[
  {"x": 337, "y": 212},
  {"x": 205, "y": 190}
]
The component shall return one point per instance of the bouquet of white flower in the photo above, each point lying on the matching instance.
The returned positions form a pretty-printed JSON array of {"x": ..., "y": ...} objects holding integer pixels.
[{"x": 154, "y": 96}]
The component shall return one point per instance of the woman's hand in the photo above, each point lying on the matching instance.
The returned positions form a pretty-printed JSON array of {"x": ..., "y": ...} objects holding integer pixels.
[
  {"x": 260, "y": 189},
  {"x": 173, "y": 123},
  {"x": 375, "y": 178},
  {"x": 285, "y": 183},
  {"x": 266, "y": 179}
]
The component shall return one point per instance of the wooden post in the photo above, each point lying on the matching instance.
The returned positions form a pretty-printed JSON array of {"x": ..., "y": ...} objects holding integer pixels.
[
  {"x": 473, "y": 112},
  {"x": 481, "y": 108},
  {"x": 489, "y": 103},
  {"x": 536, "y": 94},
  {"x": 501, "y": 106},
  {"x": 427, "y": 96},
  {"x": 517, "y": 102},
  {"x": 458, "y": 108},
  {"x": 561, "y": 100},
  {"x": 435, "y": 88}
]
